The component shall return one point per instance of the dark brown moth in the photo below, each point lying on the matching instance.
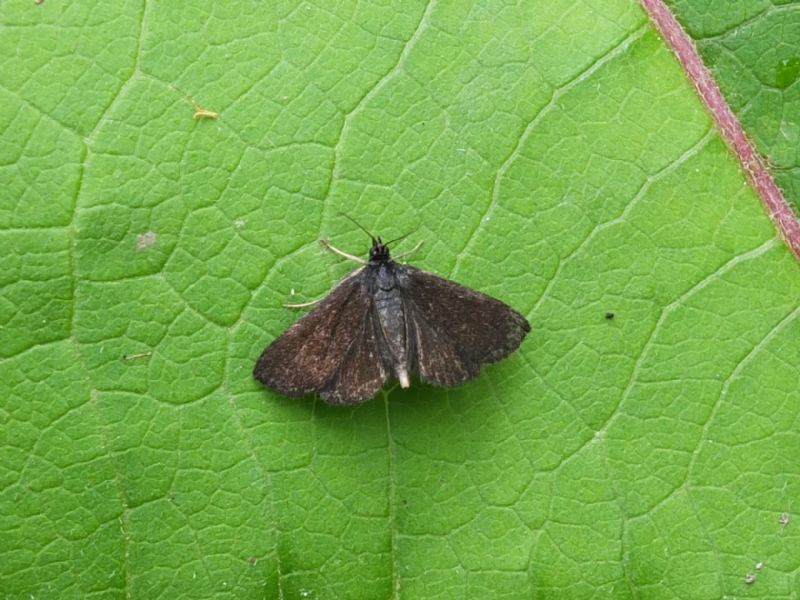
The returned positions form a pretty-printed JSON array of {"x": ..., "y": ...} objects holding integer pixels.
[{"x": 384, "y": 320}]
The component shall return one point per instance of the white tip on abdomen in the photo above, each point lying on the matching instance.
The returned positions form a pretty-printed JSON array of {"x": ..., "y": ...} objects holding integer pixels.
[{"x": 402, "y": 377}]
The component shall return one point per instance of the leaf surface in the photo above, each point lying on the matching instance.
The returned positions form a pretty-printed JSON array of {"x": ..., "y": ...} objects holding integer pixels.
[{"x": 550, "y": 154}]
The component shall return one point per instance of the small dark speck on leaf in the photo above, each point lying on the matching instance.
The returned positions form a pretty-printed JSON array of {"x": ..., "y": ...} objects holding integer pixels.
[{"x": 609, "y": 315}]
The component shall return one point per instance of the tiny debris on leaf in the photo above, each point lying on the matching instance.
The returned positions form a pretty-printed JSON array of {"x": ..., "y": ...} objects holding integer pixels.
[{"x": 202, "y": 113}]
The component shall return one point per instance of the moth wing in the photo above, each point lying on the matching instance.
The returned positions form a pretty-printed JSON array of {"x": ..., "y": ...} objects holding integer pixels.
[
  {"x": 362, "y": 373},
  {"x": 457, "y": 329},
  {"x": 307, "y": 356}
]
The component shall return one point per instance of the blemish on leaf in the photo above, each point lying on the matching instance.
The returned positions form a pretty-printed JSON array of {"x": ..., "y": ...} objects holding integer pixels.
[
  {"x": 239, "y": 223},
  {"x": 146, "y": 240},
  {"x": 137, "y": 355},
  {"x": 787, "y": 72},
  {"x": 784, "y": 520},
  {"x": 202, "y": 113},
  {"x": 749, "y": 579}
]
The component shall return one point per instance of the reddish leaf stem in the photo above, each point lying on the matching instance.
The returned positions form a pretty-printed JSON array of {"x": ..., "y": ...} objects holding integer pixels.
[{"x": 677, "y": 39}]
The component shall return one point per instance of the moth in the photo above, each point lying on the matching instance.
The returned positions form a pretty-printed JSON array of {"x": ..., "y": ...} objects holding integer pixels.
[{"x": 389, "y": 320}]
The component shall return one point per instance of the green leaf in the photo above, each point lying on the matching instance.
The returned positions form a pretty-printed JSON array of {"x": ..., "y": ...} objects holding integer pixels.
[
  {"x": 753, "y": 48},
  {"x": 551, "y": 154}
]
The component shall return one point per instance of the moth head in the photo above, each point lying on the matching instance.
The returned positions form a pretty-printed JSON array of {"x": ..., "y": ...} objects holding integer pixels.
[{"x": 379, "y": 251}]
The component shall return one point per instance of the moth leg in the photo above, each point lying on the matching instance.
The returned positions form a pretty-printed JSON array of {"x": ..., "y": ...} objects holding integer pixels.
[
  {"x": 327, "y": 245},
  {"x": 414, "y": 249},
  {"x": 303, "y": 304}
]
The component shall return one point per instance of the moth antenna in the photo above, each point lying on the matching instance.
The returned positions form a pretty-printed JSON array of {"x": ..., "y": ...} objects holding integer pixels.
[
  {"x": 361, "y": 227},
  {"x": 414, "y": 249},
  {"x": 402, "y": 237}
]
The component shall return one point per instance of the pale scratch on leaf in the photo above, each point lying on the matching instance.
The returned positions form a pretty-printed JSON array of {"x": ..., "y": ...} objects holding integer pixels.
[{"x": 137, "y": 355}]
